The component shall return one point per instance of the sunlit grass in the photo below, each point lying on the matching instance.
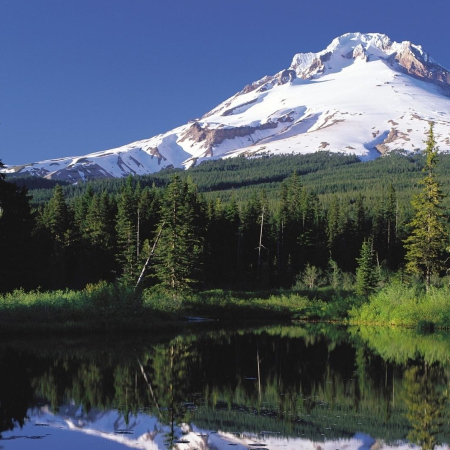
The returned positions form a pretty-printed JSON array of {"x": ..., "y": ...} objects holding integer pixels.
[
  {"x": 400, "y": 304},
  {"x": 108, "y": 306}
]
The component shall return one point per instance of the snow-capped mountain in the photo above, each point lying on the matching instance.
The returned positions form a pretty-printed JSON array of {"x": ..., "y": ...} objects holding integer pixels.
[{"x": 364, "y": 94}]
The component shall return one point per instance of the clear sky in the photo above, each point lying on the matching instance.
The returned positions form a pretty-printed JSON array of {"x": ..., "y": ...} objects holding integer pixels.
[{"x": 79, "y": 76}]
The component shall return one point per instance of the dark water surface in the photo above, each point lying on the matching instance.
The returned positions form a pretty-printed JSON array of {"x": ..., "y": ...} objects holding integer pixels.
[{"x": 290, "y": 387}]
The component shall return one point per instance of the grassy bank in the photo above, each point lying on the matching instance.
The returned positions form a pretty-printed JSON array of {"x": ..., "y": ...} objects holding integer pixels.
[
  {"x": 111, "y": 307},
  {"x": 400, "y": 304},
  {"x": 102, "y": 307},
  {"x": 292, "y": 304}
]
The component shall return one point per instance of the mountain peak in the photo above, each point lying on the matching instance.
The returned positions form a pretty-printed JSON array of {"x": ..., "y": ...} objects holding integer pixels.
[
  {"x": 403, "y": 56},
  {"x": 375, "y": 40},
  {"x": 363, "y": 94}
]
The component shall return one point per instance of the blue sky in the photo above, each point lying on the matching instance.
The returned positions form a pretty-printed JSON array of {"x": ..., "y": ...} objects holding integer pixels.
[{"x": 79, "y": 76}]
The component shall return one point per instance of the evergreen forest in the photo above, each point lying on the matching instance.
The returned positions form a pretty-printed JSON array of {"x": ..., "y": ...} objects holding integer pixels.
[{"x": 259, "y": 224}]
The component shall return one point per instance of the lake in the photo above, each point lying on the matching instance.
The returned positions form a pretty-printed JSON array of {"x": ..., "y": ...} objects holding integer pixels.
[{"x": 317, "y": 387}]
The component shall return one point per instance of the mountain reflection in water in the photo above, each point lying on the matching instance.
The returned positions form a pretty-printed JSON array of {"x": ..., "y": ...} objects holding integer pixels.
[{"x": 291, "y": 387}]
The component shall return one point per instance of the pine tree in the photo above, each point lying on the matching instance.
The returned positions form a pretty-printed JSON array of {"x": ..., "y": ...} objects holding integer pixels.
[
  {"x": 58, "y": 231},
  {"x": 292, "y": 234},
  {"x": 178, "y": 252},
  {"x": 333, "y": 223},
  {"x": 426, "y": 244},
  {"x": 366, "y": 272},
  {"x": 17, "y": 268},
  {"x": 81, "y": 209},
  {"x": 231, "y": 240},
  {"x": 221, "y": 242},
  {"x": 391, "y": 217},
  {"x": 99, "y": 222},
  {"x": 57, "y": 217},
  {"x": 148, "y": 207},
  {"x": 311, "y": 276},
  {"x": 126, "y": 228},
  {"x": 100, "y": 238}
]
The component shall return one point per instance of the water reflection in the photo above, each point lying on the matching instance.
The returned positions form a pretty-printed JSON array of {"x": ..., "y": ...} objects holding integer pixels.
[
  {"x": 425, "y": 398},
  {"x": 287, "y": 386}
]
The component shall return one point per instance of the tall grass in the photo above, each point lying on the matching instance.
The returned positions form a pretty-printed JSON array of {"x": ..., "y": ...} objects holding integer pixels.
[
  {"x": 113, "y": 307},
  {"x": 97, "y": 307},
  {"x": 405, "y": 305},
  {"x": 220, "y": 304},
  {"x": 94, "y": 300},
  {"x": 106, "y": 306}
]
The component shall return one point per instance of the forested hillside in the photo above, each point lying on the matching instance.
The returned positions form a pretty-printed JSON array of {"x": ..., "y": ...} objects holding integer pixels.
[
  {"x": 239, "y": 223},
  {"x": 324, "y": 173}
]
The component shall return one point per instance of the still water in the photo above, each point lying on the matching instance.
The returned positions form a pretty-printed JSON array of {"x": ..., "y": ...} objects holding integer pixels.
[{"x": 282, "y": 387}]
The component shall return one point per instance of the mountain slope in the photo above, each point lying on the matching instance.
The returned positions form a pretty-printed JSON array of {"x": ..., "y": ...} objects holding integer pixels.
[{"x": 363, "y": 94}]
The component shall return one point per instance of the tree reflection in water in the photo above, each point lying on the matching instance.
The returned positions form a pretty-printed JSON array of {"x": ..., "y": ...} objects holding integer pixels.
[
  {"x": 425, "y": 398},
  {"x": 317, "y": 384},
  {"x": 16, "y": 392}
]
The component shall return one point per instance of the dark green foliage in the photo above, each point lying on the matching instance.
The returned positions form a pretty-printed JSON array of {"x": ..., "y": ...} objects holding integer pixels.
[
  {"x": 386, "y": 227},
  {"x": 366, "y": 273},
  {"x": 57, "y": 217},
  {"x": 301, "y": 236},
  {"x": 81, "y": 206},
  {"x": 60, "y": 241},
  {"x": 215, "y": 176},
  {"x": 99, "y": 239},
  {"x": 333, "y": 384},
  {"x": 283, "y": 214},
  {"x": 223, "y": 240},
  {"x": 35, "y": 183},
  {"x": 177, "y": 255},
  {"x": 426, "y": 244},
  {"x": 17, "y": 223},
  {"x": 127, "y": 234},
  {"x": 425, "y": 404}
]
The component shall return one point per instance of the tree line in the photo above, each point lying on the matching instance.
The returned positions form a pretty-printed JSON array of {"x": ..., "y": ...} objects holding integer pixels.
[
  {"x": 203, "y": 243},
  {"x": 207, "y": 242}
]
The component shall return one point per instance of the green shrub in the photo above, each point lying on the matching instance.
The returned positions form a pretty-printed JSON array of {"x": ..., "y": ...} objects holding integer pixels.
[
  {"x": 158, "y": 299},
  {"x": 406, "y": 305}
]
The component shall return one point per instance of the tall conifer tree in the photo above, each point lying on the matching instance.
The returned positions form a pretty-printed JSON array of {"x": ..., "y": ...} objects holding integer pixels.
[
  {"x": 126, "y": 228},
  {"x": 57, "y": 217},
  {"x": 426, "y": 244},
  {"x": 178, "y": 251},
  {"x": 17, "y": 267},
  {"x": 57, "y": 220},
  {"x": 366, "y": 273}
]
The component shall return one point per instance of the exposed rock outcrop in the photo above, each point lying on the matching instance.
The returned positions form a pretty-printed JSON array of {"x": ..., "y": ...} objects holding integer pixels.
[
  {"x": 393, "y": 135},
  {"x": 153, "y": 151},
  {"x": 256, "y": 84},
  {"x": 358, "y": 53},
  {"x": 212, "y": 137},
  {"x": 267, "y": 82},
  {"x": 409, "y": 59},
  {"x": 306, "y": 65},
  {"x": 74, "y": 174},
  {"x": 286, "y": 76},
  {"x": 229, "y": 112}
]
